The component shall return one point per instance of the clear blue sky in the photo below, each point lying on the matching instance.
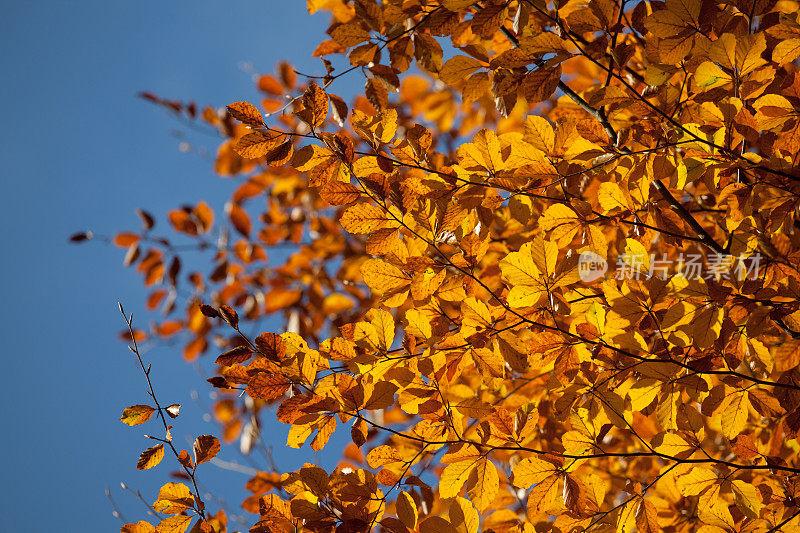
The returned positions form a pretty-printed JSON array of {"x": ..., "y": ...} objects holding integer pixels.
[{"x": 80, "y": 151}]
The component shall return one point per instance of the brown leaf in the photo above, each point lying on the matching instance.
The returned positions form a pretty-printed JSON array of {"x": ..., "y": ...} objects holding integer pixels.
[
  {"x": 387, "y": 76},
  {"x": 229, "y": 315},
  {"x": 349, "y": 34},
  {"x": 540, "y": 84},
  {"x": 80, "y": 236},
  {"x": 240, "y": 219},
  {"x": 234, "y": 355},
  {"x": 209, "y": 311},
  {"x": 206, "y": 447},
  {"x": 316, "y": 101},
  {"x": 744, "y": 447},
  {"x": 271, "y": 346}
]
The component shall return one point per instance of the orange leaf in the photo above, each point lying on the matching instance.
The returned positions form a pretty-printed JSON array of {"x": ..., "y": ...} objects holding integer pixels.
[
  {"x": 123, "y": 240},
  {"x": 246, "y": 113},
  {"x": 267, "y": 386},
  {"x": 240, "y": 219}
]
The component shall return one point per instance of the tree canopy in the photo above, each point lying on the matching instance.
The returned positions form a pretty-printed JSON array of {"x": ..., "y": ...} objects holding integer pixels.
[{"x": 543, "y": 270}]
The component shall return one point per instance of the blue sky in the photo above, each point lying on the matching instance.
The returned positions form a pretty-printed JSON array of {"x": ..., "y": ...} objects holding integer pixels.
[{"x": 80, "y": 151}]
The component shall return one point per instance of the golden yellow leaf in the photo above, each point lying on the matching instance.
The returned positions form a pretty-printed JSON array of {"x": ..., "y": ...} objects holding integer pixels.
[
  {"x": 425, "y": 283},
  {"x": 483, "y": 484},
  {"x": 482, "y": 153},
  {"x": 457, "y": 68},
  {"x": 380, "y": 127},
  {"x": 626, "y": 520},
  {"x": 366, "y": 218},
  {"x": 310, "y": 156},
  {"x": 611, "y": 197},
  {"x": 531, "y": 471},
  {"x": 636, "y": 256},
  {"x": 383, "y": 323},
  {"x": 436, "y": 524},
  {"x": 325, "y": 428},
  {"x": 383, "y": 277},
  {"x": 139, "y": 527},
  {"x": 298, "y": 434},
  {"x": 748, "y": 499},
  {"x": 643, "y": 392},
  {"x": 463, "y": 516},
  {"x": 150, "y": 457},
  {"x": 708, "y": 75},
  {"x": 539, "y": 133},
  {"x": 454, "y": 476},
  {"x": 695, "y": 481},
  {"x": 673, "y": 445},
  {"x": 174, "y": 524},
  {"x": 383, "y": 455},
  {"x": 365, "y": 335},
  {"x": 137, "y": 414},
  {"x": 713, "y": 510},
  {"x": 418, "y": 324},
  {"x": 561, "y": 221},
  {"x": 475, "y": 314},
  {"x": 174, "y": 498},
  {"x": 734, "y": 411},
  {"x": 786, "y": 51},
  {"x": 519, "y": 268}
]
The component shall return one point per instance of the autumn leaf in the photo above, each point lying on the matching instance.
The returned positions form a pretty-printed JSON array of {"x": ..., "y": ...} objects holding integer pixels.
[
  {"x": 267, "y": 386},
  {"x": 271, "y": 346},
  {"x": 234, "y": 355},
  {"x": 531, "y": 471},
  {"x": 483, "y": 485},
  {"x": 695, "y": 481},
  {"x": 150, "y": 457},
  {"x": 136, "y": 414},
  {"x": 174, "y": 524},
  {"x": 173, "y": 498},
  {"x": 246, "y": 113},
  {"x": 139, "y": 527},
  {"x": 458, "y": 68},
  {"x": 206, "y": 447}
]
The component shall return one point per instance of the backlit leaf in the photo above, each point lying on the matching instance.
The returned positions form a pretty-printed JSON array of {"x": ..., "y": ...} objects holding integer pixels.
[{"x": 137, "y": 414}]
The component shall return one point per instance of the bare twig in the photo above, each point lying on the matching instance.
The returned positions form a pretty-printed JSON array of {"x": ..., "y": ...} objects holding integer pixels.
[{"x": 197, "y": 505}]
